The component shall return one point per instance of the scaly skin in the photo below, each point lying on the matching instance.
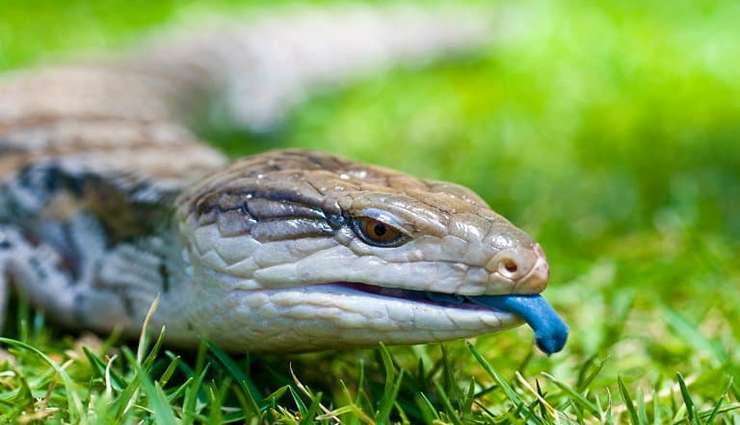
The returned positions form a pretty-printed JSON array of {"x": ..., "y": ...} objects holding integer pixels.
[{"x": 109, "y": 200}]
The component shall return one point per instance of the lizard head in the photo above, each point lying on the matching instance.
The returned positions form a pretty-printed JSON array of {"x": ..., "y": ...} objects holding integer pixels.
[{"x": 302, "y": 250}]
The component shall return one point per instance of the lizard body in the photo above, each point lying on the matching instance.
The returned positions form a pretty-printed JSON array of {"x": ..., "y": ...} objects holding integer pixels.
[{"x": 108, "y": 199}]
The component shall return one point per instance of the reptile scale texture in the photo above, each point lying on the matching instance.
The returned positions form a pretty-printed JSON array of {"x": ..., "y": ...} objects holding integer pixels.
[{"x": 108, "y": 199}]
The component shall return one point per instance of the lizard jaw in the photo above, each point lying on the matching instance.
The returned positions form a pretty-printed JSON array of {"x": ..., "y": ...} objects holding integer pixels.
[{"x": 334, "y": 316}]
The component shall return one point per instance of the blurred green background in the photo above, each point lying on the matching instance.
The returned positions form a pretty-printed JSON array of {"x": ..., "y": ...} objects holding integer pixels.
[{"x": 609, "y": 130}]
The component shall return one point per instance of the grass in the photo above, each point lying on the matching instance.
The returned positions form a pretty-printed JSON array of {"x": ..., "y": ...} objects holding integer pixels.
[{"x": 609, "y": 130}]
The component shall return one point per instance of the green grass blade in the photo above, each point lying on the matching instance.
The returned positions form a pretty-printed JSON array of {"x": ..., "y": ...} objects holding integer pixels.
[
  {"x": 302, "y": 408},
  {"x": 74, "y": 403},
  {"x": 634, "y": 419},
  {"x": 165, "y": 377},
  {"x": 180, "y": 390},
  {"x": 576, "y": 396},
  {"x": 688, "y": 402},
  {"x": 158, "y": 402},
  {"x": 510, "y": 393},
  {"x": 390, "y": 393},
  {"x": 313, "y": 410},
  {"x": 100, "y": 368},
  {"x": 715, "y": 410},
  {"x": 250, "y": 390},
  {"x": 428, "y": 412},
  {"x": 451, "y": 414},
  {"x": 191, "y": 396}
]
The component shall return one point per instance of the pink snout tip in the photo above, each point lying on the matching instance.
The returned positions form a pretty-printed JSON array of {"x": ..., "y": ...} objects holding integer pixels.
[{"x": 535, "y": 281}]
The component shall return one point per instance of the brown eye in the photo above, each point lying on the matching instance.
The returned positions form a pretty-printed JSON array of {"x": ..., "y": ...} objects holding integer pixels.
[{"x": 375, "y": 232}]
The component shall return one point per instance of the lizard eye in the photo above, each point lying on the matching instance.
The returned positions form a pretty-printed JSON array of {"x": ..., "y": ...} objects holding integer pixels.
[{"x": 375, "y": 232}]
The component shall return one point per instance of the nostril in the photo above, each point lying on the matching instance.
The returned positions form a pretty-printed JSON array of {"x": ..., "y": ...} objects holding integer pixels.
[{"x": 510, "y": 265}]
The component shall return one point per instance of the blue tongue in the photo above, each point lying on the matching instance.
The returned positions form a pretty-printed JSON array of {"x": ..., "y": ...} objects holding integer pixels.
[{"x": 549, "y": 329}]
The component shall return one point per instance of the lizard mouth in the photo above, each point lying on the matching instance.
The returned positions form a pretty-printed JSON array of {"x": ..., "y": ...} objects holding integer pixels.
[
  {"x": 426, "y": 297},
  {"x": 551, "y": 333}
]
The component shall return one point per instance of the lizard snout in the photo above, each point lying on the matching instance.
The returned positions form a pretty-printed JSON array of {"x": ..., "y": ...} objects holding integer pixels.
[{"x": 527, "y": 269}]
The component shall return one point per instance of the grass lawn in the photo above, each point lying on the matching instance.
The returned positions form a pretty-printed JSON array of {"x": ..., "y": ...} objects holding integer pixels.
[{"x": 608, "y": 130}]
